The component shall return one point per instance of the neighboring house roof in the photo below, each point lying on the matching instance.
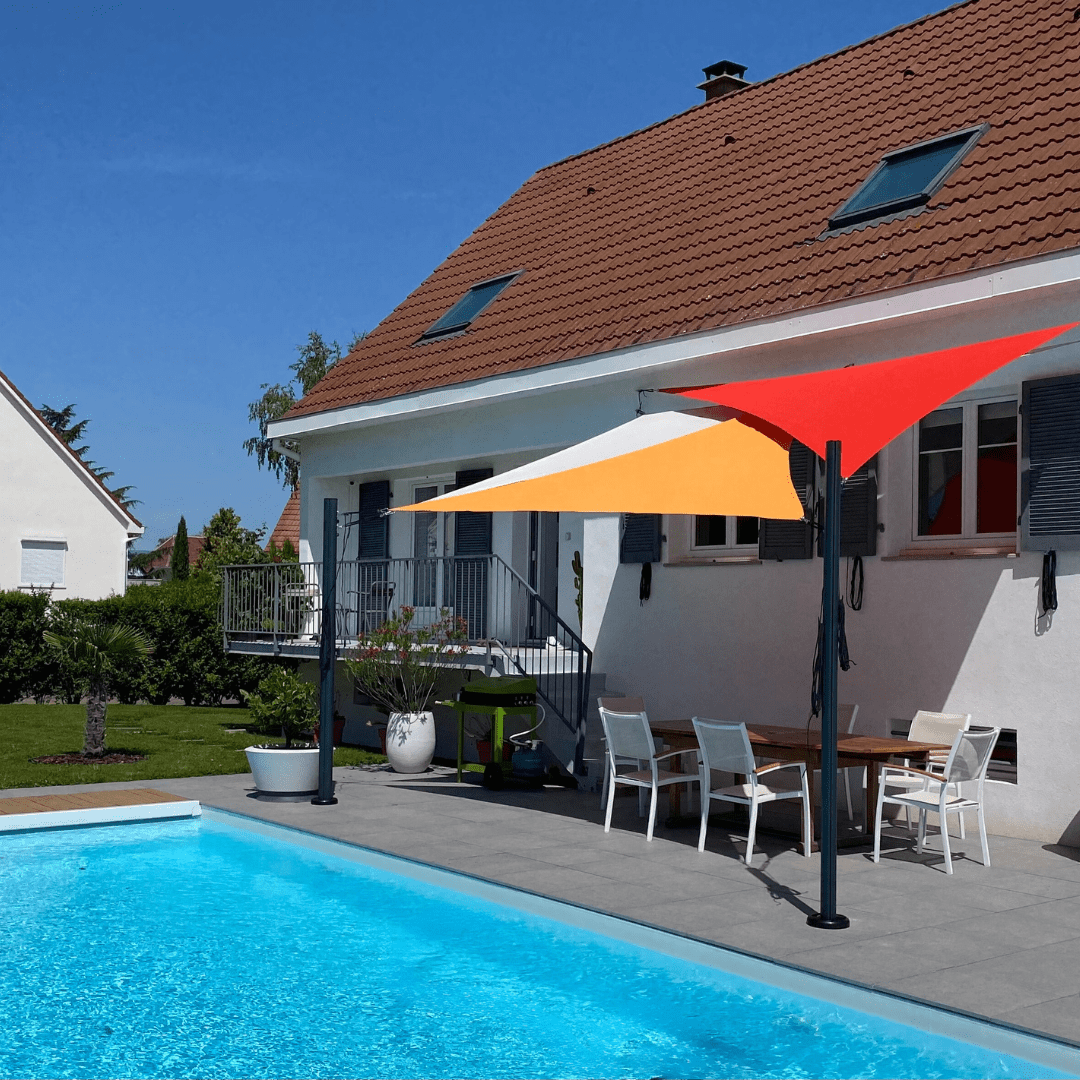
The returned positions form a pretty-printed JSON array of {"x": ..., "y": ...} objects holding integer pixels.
[
  {"x": 288, "y": 526},
  {"x": 134, "y": 526},
  {"x": 717, "y": 216},
  {"x": 195, "y": 546}
]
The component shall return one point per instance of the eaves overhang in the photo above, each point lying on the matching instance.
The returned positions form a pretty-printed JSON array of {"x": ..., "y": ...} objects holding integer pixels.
[{"x": 1021, "y": 280}]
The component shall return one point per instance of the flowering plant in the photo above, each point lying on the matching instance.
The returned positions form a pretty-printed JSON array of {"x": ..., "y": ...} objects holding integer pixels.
[{"x": 398, "y": 664}]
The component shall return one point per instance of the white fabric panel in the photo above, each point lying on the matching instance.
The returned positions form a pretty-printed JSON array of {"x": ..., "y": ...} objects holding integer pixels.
[{"x": 43, "y": 562}]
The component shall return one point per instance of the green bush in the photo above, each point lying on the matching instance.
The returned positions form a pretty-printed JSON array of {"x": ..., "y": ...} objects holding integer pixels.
[{"x": 180, "y": 618}]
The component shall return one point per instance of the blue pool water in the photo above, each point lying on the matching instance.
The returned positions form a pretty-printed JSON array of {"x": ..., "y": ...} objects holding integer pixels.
[{"x": 193, "y": 948}]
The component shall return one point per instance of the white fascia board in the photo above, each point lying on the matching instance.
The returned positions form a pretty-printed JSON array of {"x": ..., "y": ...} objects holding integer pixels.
[{"x": 883, "y": 308}]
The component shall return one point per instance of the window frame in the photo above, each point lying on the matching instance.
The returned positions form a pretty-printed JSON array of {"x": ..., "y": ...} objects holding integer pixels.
[
  {"x": 968, "y": 537},
  {"x": 730, "y": 547},
  {"x": 443, "y": 326},
  {"x": 844, "y": 218}
]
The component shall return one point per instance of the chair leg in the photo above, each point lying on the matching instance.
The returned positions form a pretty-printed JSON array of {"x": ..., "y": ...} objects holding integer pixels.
[
  {"x": 847, "y": 792},
  {"x": 877, "y": 823},
  {"x": 652, "y": 811},
  {"x": 753, "y": 830},
  {"x": 610, "y": 805},
  {"x": 640, "y": 802},
  {"x": 982, "y": 836},
  {"x": 921, "y": 841},
  {"x": 945, "y": 843},
  {"x": 705, "y": 800},
  {"x": 808, "y": 819},
  {"x": 960, "y": 815}
]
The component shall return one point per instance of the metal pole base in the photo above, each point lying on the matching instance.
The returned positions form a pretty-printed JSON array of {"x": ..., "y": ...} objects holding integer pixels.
[
  {"x": 333, "y": 802},
  {"x": 821, "y": 921}
]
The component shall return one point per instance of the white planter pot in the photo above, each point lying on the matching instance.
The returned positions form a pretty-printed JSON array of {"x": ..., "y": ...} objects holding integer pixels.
[
  {"x": 410, "y": 741},
  {"x": 278, "y": 771}
]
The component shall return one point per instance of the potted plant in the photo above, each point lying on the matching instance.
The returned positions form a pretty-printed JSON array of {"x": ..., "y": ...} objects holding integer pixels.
[
  {"x": 398, "y": 666},
  {"x": 284, "y": 704}
]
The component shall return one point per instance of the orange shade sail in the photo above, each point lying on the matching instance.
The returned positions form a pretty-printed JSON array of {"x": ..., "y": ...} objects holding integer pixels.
[
  {"x": 867, "y": 406},
  {"x": 665, "y": 463}
]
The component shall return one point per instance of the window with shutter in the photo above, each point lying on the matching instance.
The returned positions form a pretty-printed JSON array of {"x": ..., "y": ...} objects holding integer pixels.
[
  {"x": 641, "y": 538},
  {"x": 472, "y": 532},
  {"x": 793, "y": 539},
  {"x": 374, "y": 524},
  {"x": 1050, "y": 485},
  {"x": 43, "y": 562}
]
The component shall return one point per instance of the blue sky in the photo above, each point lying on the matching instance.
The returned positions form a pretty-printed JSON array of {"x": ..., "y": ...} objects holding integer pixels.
[{"x": 188, "y": 189}]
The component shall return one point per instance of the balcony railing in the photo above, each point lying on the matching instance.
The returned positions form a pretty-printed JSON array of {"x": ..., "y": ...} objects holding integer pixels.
[{"x": 277, "y": 609}]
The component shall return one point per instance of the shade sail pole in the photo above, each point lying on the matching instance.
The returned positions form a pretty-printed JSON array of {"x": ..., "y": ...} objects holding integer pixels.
[
  {"x": 327, "y": 655},
  {"x": 827, "y": 918}
]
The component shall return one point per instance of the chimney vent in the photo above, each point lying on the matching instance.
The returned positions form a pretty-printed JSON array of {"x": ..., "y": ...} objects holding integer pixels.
[{"x": 723, "y": 78}]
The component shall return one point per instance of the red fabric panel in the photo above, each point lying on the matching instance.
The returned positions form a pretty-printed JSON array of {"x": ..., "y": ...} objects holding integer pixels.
[{"x": 868, "y": 405}]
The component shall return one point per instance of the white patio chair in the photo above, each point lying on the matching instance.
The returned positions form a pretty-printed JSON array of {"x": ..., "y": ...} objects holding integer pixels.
[
  {"x": 622, "y": 705},
  {"x": 967, "y": 761},
  {"x": 630, "y": 744},
  {"x": 726, "y": 748},
  {"x": 936, "y": 727}
]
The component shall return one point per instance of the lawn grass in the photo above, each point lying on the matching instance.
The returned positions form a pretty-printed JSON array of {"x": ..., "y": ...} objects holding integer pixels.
[{"x": 177, "y": 740}]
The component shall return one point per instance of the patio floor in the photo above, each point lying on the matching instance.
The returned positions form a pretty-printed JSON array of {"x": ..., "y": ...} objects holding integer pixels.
[{"x": 1002, "y": 942}]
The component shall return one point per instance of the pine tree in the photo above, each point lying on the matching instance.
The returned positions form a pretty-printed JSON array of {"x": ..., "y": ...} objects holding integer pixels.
[{"x": 178, "y": 561}]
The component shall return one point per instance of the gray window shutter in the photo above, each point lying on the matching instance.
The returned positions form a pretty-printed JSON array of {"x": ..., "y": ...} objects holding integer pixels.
[
  {"x": 640, "y": 539},
  {"x": 472, "y": 532},
  {"x": 858, "y": 513},
  {"x": 793, "y": 539},
  {"x": 1050, "y": 464},
  {"x": 374, "y": 540}
]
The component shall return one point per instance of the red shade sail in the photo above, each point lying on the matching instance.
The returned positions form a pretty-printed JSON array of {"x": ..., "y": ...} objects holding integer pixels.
[{"x": 867, "y": 406}]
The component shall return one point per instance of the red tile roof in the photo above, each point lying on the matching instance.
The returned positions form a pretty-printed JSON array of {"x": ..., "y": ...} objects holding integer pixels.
[
  {"x": 716, "y": 216},
  {"x": 195, "y": 546},
  {"x": 288, "y": 526}
]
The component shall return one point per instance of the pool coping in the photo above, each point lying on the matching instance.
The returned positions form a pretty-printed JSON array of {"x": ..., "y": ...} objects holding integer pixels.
[
  {"x": 99, "y": 815},
  {"x": 1043, "y": 1050}
]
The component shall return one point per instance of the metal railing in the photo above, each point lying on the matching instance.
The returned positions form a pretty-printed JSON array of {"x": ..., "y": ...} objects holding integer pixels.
[{"x": 277, "y": 609}]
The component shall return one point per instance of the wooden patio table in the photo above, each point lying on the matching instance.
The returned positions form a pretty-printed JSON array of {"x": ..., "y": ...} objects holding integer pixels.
[{"x": 782, "y": 743}]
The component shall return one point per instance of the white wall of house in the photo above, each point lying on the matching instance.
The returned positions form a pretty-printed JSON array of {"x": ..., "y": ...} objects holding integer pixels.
[
  {"x": 954, "y": 632},
  {"x": 57, "y": 522}
]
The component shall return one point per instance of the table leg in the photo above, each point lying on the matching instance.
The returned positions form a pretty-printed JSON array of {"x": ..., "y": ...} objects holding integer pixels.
[
  {"x": 460, "y": 742},
  {"x": 873, "y": 771}
]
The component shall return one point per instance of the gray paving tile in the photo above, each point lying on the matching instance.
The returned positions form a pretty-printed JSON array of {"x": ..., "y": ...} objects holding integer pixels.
[{"x": 1059, "y": 1016}]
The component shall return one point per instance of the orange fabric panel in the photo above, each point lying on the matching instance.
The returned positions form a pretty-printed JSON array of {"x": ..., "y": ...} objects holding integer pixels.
[
  {"x": 868, "y": 405},
  {"x": 725, "y": 469}
]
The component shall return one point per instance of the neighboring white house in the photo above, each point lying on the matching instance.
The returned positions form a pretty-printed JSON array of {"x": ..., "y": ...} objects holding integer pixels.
[
  {"x": 61, "y": 529},
  {"x": 737, "y": 240}
]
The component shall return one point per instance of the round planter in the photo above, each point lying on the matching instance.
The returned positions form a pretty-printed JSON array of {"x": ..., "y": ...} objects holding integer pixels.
[
  {"x": 278, "y": 771},
  {"x": 410, "y": 741}
]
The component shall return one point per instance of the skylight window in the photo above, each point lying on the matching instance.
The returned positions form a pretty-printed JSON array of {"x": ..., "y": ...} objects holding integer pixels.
[
  {"x": 906, "y": 178},
  {"x": 468, "y": 307}
]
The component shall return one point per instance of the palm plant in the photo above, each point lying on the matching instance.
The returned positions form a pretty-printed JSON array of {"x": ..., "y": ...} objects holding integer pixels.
[{"x": 98, "y": 649}]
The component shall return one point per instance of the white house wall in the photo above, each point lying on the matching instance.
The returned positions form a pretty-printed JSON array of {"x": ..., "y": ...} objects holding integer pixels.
[
  {"x": 46, "y": 496},
  {"x": 736, "y": 641}
]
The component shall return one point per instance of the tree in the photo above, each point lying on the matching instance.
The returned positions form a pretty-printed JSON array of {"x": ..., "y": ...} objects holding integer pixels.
[
  {"x": 227, "y": 543},
  {"x": 316, "y": 358},
  {"x": 179, "y": 564},
  {"x": 62, "y": 421},
  {"x": 98, "y": 648}
]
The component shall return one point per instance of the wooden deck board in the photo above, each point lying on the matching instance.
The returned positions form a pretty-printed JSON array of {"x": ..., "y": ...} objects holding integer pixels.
[{"x": 43, "y": 804}]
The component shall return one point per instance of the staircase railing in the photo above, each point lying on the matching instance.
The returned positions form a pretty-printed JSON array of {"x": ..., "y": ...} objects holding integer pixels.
[{"x": 277, "y": 607}]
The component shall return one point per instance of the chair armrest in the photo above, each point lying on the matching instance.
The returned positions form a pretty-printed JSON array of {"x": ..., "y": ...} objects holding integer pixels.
[
  {"x": 677, "y": 753},
  {"x": 762, "y": 769},
  {"x": 936, "y": 777}
]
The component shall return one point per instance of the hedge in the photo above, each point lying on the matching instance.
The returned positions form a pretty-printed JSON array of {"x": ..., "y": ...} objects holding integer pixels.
[{"x": 180, "y": 618}]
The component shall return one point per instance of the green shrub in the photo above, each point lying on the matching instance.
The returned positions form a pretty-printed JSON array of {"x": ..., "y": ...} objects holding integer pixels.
[
  {"x": 179, "y": 618},
  {"x": 285, "y": 705}
]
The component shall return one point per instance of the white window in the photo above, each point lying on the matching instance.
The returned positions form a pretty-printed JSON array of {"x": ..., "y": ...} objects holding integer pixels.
[
  {"x": 966, "y": 471},
  {"x": 719, "y": 535},
  {"x": 43, "y": 562},
  {"x": 432, "y": 540}
]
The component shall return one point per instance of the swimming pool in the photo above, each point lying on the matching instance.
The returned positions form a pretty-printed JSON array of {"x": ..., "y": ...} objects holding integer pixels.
[{"x": 219, "y": 947}]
